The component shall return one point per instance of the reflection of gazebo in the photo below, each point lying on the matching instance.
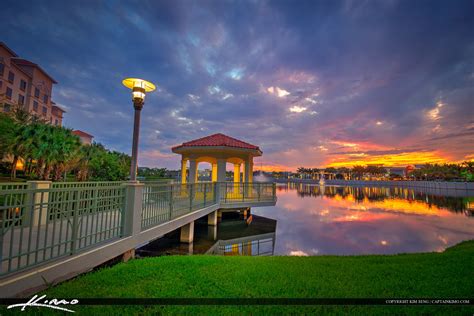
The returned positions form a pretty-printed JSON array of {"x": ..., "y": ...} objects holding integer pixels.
[{"x": 217, "y": 149}]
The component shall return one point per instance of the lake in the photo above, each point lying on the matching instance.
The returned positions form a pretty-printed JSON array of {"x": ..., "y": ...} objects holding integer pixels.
[{"x": 336, "y": 220}]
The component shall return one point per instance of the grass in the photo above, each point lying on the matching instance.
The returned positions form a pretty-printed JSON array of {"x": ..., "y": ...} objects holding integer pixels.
[{"x": 428, "y": 275}]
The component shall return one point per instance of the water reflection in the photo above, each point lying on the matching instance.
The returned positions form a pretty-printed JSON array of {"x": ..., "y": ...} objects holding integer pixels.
[
  {"x": 314, "y": 220},
  {"x": 234, "y": 235},
  {"x": 358, "y": 220}
]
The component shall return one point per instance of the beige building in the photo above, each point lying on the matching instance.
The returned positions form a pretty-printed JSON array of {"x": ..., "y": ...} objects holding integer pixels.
[{"x": 27, "y": 84}]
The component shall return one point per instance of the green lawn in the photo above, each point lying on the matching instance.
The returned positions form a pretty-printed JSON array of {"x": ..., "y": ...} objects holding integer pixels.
[{"x": 429, "y": 275}]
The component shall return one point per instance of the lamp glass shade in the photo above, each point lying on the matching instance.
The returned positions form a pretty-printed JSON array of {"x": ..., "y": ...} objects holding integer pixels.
[{"x": 135, "y": 82}]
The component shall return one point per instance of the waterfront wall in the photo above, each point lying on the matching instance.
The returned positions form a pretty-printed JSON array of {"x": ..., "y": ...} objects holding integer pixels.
[{"x": 435, "y": 185}]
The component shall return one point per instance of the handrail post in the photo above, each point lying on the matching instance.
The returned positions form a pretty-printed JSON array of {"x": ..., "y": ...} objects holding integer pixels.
[
  {"x": 74, "y": 231},
  {"x": 37, "y": 203},
  {"x": 132, "y": 217},
  {"x": 259, "y": 189},
  {"x": 205, "y": 192},
  {"x": 171, "y": 202},
  {"x": 191, "y": 196},
  {"x": 225, "y": 192}
]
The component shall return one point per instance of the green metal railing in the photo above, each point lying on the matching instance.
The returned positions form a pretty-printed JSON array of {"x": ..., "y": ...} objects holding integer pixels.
[
  {"x": 164, "y": 202},
  {"x": 88, "y": 184},
  {"x": 13, "y": 186},
  {"x": 247, "y": 192},
  {"x": 44, "y": 221},
  {"x": 38, "y": 225}
]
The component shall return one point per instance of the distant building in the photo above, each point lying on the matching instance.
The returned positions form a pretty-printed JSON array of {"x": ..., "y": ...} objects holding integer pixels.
[
  {"x": 25, "y": 83},
  {"x": 85, "y": 137},
  {"x": 400, "y": 171}
]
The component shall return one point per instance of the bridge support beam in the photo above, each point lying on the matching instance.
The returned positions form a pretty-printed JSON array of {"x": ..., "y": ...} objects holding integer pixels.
[
  {"x": 128, "y": 255},
  {"x": 212, "y": 232},
  {"x": 212, "y": 219},
  {"x": 187, "y": 233}
]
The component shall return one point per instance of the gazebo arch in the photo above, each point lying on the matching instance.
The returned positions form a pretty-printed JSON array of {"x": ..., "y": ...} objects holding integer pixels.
[{"x": 217, "y": 149}]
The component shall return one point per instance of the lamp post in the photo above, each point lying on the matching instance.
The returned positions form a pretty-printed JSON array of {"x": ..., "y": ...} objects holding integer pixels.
[{"x": 139, "y": 88}]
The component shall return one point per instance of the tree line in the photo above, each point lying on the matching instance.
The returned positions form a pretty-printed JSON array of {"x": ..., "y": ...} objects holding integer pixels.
[
  {"x": 447, "y": 171},
  {"x": 50, "y": 152}
]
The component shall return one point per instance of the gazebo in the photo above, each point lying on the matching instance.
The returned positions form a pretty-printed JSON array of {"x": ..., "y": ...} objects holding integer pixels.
[{"x": 217, "y": 149}]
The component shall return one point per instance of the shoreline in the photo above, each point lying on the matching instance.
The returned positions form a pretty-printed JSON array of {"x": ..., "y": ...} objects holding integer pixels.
[{"x": 436, "y": 185}]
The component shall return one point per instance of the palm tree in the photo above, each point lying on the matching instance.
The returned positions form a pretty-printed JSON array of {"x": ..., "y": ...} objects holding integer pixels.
[
  {"x": 67, "y": 146},
  {"x": 358, "y": 171}
]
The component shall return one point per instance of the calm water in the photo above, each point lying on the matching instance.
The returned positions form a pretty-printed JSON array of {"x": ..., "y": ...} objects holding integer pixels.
[{"x": 314, "y": 220}]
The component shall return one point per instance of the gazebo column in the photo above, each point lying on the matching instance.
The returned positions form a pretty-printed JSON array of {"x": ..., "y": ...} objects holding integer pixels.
[
  {"x": 183, "y": 171},
  {"x": 221, "y": 165},
  {"x": 249, "y": 170},
  {"x": 192, "y": 170},
  {"x": 214, "y": 172},
  {"x": 237, "y": 173}
]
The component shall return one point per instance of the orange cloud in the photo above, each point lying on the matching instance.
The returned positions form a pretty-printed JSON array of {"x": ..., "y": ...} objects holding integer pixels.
[
  {"x": 400, "y": 159},
  {"x": 360, "y": 145}
]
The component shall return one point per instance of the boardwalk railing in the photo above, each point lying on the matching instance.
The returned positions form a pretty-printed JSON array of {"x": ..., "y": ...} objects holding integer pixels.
[
  {"x": 247, "y": 192},
  {"x": 41, "y": 221},
  {"x": 164, "y": 202},
  {"x": 39, "y": 224}
]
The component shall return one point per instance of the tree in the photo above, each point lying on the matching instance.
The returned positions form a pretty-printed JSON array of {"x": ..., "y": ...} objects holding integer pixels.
[
  {"x": 358, "y": 171},
  {"x": 20, "y": 119}
]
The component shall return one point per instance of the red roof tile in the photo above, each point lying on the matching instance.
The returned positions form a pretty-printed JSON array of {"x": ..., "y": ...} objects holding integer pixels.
[
  {"x": 218, "y": 140},
  {"x": 81, "y": 133}
]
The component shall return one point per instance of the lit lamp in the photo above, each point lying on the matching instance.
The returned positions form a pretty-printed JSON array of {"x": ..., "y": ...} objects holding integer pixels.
[{"x": 139, "y": 89}]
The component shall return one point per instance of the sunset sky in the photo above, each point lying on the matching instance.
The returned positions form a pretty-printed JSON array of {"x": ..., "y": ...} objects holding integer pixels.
[{"x": 313, "y": 83}]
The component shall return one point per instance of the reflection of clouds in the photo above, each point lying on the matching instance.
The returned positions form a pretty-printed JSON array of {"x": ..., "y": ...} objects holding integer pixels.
[
  {"x": 298, "y": 253},
  {"x": 443, "y": 239},
  {"x": 334, "y": 225}
]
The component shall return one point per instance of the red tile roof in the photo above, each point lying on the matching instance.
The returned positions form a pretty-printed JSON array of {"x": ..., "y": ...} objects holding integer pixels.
[
  {"x": 24, "y": 62},
  {"x": 218, "y": 140},
  {"x": 81, "y": 133}
]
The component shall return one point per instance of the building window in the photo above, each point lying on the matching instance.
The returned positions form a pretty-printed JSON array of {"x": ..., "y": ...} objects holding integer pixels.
[
  {"x": 2, "y": 69},
  {"x": 22, "y": 85},
  {"x": 56, "y": 122},
  {"x": 35, "y": 106},
  {"x": 9, "y": 93},
  {"x": 45, "y": 111},
  {"x": 11, "y": 77},
  {"x": 21, "y": 99},
  {"x": 6, "y": 107},
  {"x": 37, "y": 93},
  {"x": 45, "y": 99}
]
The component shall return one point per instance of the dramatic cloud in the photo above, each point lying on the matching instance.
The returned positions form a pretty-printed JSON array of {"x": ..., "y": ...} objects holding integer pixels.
[{"x": 312, "y": 83}]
